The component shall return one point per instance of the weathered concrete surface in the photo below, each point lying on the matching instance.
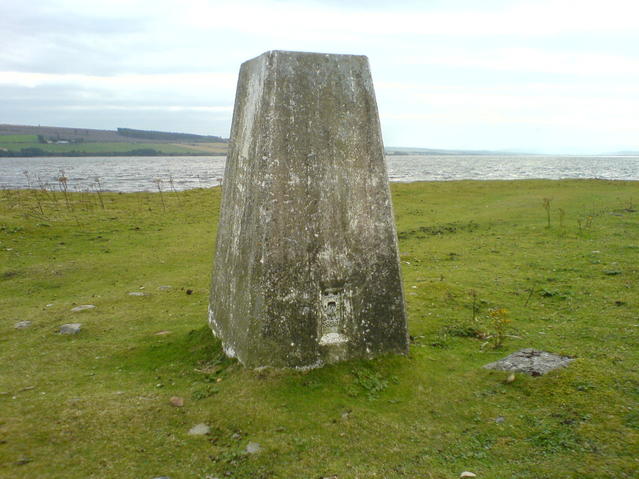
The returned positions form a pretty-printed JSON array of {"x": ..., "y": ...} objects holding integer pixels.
[
  {"x": 530, "y": 361},
  {"x": 306, "y": 267}
]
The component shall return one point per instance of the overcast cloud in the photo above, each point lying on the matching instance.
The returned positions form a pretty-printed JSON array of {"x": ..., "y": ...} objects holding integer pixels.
[{"x": 548, "y": 76}]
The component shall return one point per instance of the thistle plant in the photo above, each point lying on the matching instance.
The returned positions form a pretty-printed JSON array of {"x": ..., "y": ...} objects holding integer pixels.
[
  {"x": 63, "y": 182},
  {"x": 499, "y": 324},
  {"x": 546, "y": 205},
  {"x": 158, "y": 183},
  {"x": 98, "y": 189}
]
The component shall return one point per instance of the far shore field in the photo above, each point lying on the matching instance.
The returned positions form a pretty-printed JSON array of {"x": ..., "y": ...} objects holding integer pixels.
[
  {"x": 29, "y": 146},
  {"x": 37, "y": 141},
  {"x": 489, "y": 268}
]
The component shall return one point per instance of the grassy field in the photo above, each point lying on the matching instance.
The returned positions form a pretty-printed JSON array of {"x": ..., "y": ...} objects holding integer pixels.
[
  {"x": 96, "y": 404},
  {"x": 16, "y": 143}
]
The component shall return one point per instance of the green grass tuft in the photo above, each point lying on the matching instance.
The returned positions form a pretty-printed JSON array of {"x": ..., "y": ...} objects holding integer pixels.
[{"x": 96, "y": 404}]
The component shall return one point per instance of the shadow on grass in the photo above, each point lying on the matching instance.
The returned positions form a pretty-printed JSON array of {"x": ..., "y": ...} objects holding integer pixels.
[
  {"x": 199, "y": 355},
  {"x": 198, "y": 350}
]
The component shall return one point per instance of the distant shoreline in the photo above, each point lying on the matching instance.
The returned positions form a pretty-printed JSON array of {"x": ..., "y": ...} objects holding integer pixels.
[
  {"x": 45, "y": 141},
  {"x": 22, "y": 141},
  {"x": 118, "y": 154}
]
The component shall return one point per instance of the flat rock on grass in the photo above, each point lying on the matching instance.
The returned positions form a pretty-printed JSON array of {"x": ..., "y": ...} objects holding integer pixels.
[
  {"x": 22, "y": 324},
  {"x": 71, "y": 328},
  {"x": 82, "y": 307},
  {"x": 253, "y": 448},
  {"x": 137, "y": 293},
  {"x": 199, "y": 430},
  {"x": 530, "y": 361}
]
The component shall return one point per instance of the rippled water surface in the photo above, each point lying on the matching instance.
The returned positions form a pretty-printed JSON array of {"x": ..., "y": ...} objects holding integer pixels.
[{"x": 139, "y": 173}]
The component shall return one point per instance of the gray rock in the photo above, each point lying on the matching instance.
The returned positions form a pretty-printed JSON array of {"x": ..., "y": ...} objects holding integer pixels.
[
  {"x": 199, "y": 430},
  {"x": 137, "y": 293},
  {"x": 253, "y": 448},
  {"x": 530, "y": 361},
  {"x": 82, "y": 307},
  {"x": 314, "y": 278},
  {"x": 22, "y": 324},
  {"x": 71, "y": 328}
]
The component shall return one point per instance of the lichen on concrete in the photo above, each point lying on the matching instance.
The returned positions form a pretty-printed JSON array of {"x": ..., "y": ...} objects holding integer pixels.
[{"x": 306, "y": 266}]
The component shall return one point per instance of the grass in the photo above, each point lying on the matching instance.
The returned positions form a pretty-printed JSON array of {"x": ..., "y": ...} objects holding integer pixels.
[
  {"x": 11, "y": 140},
  {"x": 96, "y": 404},
  {"x": 16, "y": 143}
]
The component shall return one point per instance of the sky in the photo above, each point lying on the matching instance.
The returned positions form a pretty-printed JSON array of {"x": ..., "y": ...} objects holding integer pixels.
[{"x": 545, "y": 76}]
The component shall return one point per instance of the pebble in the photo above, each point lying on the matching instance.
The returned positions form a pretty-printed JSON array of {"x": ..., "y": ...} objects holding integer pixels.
[
  {"x": 71, "y": 328},
  {"x": 82, "y": 307},
  {"x": 176, "y": 401},
  {"x": 500, "y": 419},
  {"x": 612, "y": 272},
  {"x": 136, "y": 293},
  {"x": 164, "y": 288},
  {"x": 253, "y": 448},
  {"x": 199, "y": 430},
  {"x": 467, "y": 474},
  {"x": 162, "y": 333},
  {"x": 23, "y": 324}
]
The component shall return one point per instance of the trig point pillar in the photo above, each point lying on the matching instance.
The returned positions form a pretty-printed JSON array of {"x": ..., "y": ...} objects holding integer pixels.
[{"x": 306, "y": 268}]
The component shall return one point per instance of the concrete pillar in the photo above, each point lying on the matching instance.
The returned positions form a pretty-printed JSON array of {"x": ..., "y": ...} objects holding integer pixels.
[{"x": 306, "y": 267}]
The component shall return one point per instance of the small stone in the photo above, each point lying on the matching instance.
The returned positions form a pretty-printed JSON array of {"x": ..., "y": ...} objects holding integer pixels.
[
  {"x": 253, "y": 448},
  {"x": 71, "y": 328},
  {"x": 189, "y": 291},
  {"x": 500, "y": 419},
  {"x": 162, "y": 333},
  {"x": 510, "y": 378},
  {"x": 22, "y": 324},
  {"x": 236, "y": 436},
  {"x": 82, "y": 307},
  {"x": 49, "y": 305},
  {"x": 164, "y": 288},
  {"x": 467, "y": 474},
  {"x": 199, "y": 430},
  {"x": 136, "y": 293},
  {"x": 176, "y": 401}
]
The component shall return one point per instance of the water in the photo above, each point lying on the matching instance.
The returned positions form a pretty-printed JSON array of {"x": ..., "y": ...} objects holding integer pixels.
[{"x": 138, "y": 173}]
